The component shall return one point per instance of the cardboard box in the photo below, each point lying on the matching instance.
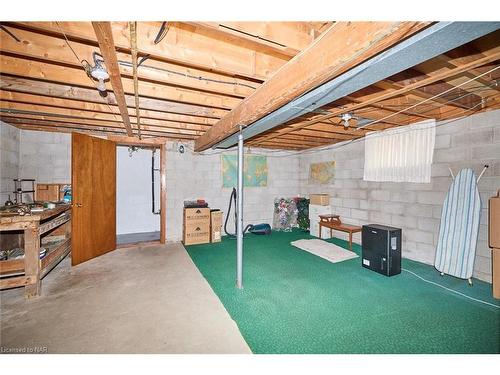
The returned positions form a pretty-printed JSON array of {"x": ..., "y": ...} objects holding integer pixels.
[
  {"x": 191, "y": 214},
  {"x": 494, "y": 221},
  {"x": 196, "y": 235},
  {"x": 494, "y": 241},
  {"x": 196, "y": 228},
  {"x": 216, "y": 218},
  {"x": 319, "y": 199}
]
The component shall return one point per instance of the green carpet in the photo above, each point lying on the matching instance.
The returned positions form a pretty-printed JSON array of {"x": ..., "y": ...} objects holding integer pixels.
[{"x": 295, "y": 302}]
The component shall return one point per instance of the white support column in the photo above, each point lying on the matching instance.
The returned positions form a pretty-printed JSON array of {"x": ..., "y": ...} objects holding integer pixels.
[{"x": 239, "y": 232}]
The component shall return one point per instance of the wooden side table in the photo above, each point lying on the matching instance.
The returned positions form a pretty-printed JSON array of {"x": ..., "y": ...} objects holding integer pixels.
[{"x": 333, "y": 222}]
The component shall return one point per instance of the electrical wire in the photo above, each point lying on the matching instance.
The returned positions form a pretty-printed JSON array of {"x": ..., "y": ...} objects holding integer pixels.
[
  {"x": 162, "y": 32},
  {"x": 451, "y": 290},
  {"x": 431, "y": 98},
  {"x": 185, "y": 75},
  {"x": 11, "y": 34},
  {"x": 201, "y": 78},
  {"x": 336, "y": 146}
]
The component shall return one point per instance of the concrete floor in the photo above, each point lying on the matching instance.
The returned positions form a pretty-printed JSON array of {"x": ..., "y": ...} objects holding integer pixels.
[{"x": 149, "y": 299}]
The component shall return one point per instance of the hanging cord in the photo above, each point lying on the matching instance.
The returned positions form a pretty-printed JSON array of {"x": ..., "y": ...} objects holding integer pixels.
[
  {"x": 451, "y": 290},
  {"x": 133, "y": 47}
]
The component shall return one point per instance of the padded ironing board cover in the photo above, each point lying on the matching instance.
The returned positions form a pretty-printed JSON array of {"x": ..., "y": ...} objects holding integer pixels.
[{"x": 456, "y": 248}]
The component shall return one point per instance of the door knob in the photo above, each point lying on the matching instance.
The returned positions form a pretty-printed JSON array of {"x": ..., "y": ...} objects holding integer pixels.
[{"x": 78, "y": 205}]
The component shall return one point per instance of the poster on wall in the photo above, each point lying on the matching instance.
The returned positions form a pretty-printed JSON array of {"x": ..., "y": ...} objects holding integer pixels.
[
  {"x": 322, "y": 173},
  {"x": 254, "y": 171}
]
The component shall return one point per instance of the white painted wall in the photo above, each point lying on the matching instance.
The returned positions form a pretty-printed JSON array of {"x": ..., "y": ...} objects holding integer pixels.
[{"x": 133, "y": 192}]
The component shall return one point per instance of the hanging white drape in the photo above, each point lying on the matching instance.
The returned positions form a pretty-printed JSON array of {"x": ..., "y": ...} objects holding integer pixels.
[{"x": 403, "y": 154}]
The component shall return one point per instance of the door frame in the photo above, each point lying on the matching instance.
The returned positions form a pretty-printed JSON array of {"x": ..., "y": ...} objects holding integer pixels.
[{"x": 127, "y": 141}]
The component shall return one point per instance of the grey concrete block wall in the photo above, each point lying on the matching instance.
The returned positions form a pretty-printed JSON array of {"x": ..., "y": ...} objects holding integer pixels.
[
  {"x": 9, "y": 160},
  {"x": 45, "y": 156},
  {"x": 191, "y": 176},
  {"x": 416, "y": 208},
  {"x": 469, "y": 142}
]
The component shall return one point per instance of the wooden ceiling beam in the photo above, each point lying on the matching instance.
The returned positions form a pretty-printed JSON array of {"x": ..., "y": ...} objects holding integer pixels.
[
  {"x": 56, "y": 90},
  {"x": 102, "y": 108},
  {"x": 31, "y": 69},
  {"x": 104, "y": 36},
  {"x": 388, "y": 94},
  {"x": 55, "y": 50},
  {"x": 410, "y": 76},
  {"x": 341, "y": 47},
  {"x": 146, "y": 129},
  {"x": 179, "y": 47},
  {"x": 98, "y": 130},
  {"x": 294, "y": 35},
  {"x": 131, "y": 141},
  {"x": 219, "y": 30},
  {"x": 49, "y": 111},
  {"x": 62, "y": 121}
]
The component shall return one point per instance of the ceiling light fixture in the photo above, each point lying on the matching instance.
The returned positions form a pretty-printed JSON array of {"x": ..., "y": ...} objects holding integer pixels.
[
  {"x": 345, "y": 118},
  {"x": 97, "y": 71}
]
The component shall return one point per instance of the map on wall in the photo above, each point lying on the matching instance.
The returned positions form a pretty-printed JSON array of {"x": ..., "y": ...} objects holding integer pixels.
[
  {"x": 254, "y": 171},
  {"x": 322, "y": 173}
]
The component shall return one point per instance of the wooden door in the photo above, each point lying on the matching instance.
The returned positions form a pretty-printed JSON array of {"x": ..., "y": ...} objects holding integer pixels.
[{"x": 93, "y": 179}]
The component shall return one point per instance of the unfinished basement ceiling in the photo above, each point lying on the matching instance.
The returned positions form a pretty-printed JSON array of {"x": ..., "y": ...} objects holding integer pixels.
[{"x": 191, "y": 75}]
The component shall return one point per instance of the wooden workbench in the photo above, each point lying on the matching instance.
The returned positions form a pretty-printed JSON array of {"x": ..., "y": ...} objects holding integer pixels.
[{"x": 29, "y": 271}]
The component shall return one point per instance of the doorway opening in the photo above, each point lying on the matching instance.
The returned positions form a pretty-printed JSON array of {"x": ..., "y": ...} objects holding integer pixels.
[{"x": 138, "y": 193}]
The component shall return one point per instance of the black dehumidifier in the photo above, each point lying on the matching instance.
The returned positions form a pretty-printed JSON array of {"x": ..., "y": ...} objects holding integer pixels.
[{"x": 381, "y": 249}]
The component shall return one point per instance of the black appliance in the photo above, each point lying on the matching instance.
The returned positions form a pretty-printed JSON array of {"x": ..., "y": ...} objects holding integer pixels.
[{"x": 381, "y": 249}]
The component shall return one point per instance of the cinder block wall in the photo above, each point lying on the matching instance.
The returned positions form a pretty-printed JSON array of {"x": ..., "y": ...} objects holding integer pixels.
[
  {"x": 191, "y": 176},
  {"x": 416, "y": 208},
  {"x": 9, "y": 160},
  {"x": 45, "y": 156}
]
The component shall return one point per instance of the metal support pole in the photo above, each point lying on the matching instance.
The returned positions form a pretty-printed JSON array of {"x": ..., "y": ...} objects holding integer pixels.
[{"x": 239, "y": 232}]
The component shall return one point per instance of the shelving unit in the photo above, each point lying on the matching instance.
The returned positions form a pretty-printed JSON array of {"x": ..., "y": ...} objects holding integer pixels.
[
  {"x": 29, "y": 271},
  {"x": 18, "y": 189}
]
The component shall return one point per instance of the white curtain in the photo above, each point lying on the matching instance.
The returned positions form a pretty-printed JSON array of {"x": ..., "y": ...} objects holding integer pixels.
[{"x": 402, "y": 154}]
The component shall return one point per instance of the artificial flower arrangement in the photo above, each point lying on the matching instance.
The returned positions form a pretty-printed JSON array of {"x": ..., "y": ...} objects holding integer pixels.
[{"x": 285, "y": 214}]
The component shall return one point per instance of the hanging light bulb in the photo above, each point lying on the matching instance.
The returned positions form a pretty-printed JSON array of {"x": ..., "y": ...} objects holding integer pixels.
[
  {"x": 101, "y": 86},
  {"x": 99, "y": 73}
]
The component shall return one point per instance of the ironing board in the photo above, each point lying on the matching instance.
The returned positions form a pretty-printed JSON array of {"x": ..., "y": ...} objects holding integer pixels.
[{"x": 456, "y": 247}]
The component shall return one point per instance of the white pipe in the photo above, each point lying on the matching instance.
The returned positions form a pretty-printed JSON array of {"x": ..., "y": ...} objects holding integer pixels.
[{"x": 239, "y": 229}]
